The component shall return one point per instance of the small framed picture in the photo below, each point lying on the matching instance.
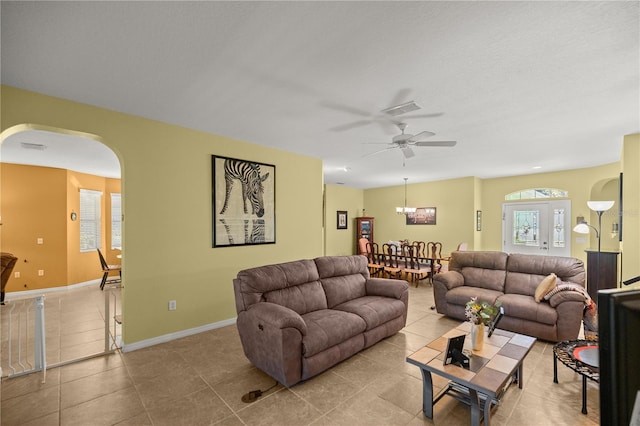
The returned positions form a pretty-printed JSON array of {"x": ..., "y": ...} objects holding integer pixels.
[
  {"x": 342, "y": 219},
  {"x": 478, "y": 220},
  {"x": 454, "y": 350}
]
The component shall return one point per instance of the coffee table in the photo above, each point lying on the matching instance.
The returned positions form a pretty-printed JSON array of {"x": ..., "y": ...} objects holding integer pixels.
[{"x": 492, "y": 370}]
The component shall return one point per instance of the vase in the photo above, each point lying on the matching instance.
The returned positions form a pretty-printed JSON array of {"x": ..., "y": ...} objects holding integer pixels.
[{"x": 477, "y": 336}]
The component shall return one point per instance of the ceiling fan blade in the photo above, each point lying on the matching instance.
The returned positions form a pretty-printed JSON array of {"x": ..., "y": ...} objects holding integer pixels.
[
  {"x": 387, "y": 125},
  {"x": 350, "y": 126},
  {"x": 346, "y": 108},
  {"x": 422, "y": 135},
  {"x": 436, "y": 143},
  {"x": 407, "y": 152},
  {"x": 401, "y": 96},
  {"x": 378, "y": 152}
]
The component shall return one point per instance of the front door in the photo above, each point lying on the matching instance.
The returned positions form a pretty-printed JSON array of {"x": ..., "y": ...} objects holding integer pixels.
[{"x": 537, "y": 228}]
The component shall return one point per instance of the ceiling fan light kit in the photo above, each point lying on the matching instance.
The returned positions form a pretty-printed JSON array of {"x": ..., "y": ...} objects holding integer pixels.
[{"x": 405, "y": 141}]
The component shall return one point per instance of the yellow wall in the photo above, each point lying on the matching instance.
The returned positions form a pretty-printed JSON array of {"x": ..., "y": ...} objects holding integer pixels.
[
  {"x": 455, "y": 215},
  {"x": 340, "y": 242},
  {"x": 631, "y": 208},
  {"x": 457, "y": 201},
  {"x": 166, "y": 201},
  {"x": 579, "y": 183}
]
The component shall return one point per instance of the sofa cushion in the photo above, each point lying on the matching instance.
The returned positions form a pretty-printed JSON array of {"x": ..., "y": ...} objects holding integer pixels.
[
  {"x": 545, "y": 286},
  {"x": 329, "y": 327},
  {"x": 375, "y": 310},
  {"x": 525, "y": 271},
  {"x": 526, "y": 308},
  {"x": 333, "y": 266},
  {"x": 484, "y": 269},
  {"x": 343, "y": 278},
  {"x": 461, "y": 295},
  {"x": 301, "y": 298},
  {"x": 279, "y": 284}
]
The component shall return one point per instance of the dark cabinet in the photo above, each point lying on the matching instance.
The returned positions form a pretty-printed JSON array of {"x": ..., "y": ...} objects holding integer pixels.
[
  {"x": 364, "y": 229},
  {"x": 602, "y": 271}
]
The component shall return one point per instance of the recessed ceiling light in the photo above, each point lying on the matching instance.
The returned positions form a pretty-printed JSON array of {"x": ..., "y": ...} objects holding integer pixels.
[
  {"x": 36, "y": 146},
  {"x": 537, "y": 167}
]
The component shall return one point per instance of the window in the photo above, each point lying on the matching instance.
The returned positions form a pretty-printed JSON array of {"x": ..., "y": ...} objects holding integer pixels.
[
  {"x": 90, "y": 219},
  {"x": 527, "y": 194},
  {"x": 116, "y": 222}
]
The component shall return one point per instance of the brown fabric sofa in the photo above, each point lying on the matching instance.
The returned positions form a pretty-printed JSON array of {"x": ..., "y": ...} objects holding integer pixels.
[
  {"x": 298, "y": 319},
  {"x": 513, "y": 279}
]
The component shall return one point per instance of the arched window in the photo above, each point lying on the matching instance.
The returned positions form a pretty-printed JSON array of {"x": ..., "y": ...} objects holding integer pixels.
[{"x": 537, "y": 193}]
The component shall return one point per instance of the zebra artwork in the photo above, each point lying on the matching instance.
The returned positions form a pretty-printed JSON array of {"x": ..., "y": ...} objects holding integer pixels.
[
  {"x": 252, "y": 190},
  {"x": 256, "y": 236},
  {"x": 244, "y": 215}
]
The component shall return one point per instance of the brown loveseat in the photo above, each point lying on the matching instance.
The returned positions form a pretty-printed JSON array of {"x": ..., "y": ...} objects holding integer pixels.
[
  {"x": 513, "y": 279},
  {"x": 300, "y": 318}
]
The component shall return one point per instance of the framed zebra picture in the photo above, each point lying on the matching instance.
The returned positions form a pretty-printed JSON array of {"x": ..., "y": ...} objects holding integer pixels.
[{"x": 244, "y": 202}]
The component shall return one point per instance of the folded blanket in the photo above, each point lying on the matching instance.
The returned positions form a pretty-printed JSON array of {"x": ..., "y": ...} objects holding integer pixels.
[{"x": 590, "y": 314}]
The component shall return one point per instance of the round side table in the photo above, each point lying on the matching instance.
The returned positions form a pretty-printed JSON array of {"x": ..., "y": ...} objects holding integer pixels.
[{"x": 582, "y": 357}]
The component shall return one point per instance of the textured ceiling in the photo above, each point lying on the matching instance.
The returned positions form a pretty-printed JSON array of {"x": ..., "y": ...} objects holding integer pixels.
[{"x": 518, "y": 85}]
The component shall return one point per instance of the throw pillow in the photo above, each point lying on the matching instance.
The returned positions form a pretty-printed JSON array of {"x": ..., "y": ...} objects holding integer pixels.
[{"x": 545, "y": 287}]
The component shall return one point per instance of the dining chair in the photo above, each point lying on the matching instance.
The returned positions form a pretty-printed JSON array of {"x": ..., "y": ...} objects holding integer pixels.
[
  {"x": 392, "y": 264},
  {"x": 8, "y": 263},
  {"x": 375, "y": 260},
  {"x": 413, "y": 264},
  {"x": 106, "y": 269},
  {"x": 434, "y": 253},
  {"x": 362, "y": 246}
]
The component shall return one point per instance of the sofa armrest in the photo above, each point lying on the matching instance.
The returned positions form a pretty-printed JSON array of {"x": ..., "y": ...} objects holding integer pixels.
[
  {"x": 271, "y": 337},
  {"x": 276, "y": 316},
  {"x": 565, "y": 296},
  {"x": 450, "y": 279},
  {"x": 386, "y": 287}
]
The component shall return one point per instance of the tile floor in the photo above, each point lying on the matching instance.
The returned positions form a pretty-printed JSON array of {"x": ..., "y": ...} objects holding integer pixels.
[{"x": 199, "y": 380}]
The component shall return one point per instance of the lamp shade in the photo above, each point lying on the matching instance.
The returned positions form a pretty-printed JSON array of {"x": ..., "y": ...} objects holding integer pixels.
[
  {"x": 600, "y": 206},
  {"x": 581, "y": 228}
]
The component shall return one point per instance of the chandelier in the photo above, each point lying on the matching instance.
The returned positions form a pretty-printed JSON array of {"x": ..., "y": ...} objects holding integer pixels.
[{"x": 405, "y": 209}]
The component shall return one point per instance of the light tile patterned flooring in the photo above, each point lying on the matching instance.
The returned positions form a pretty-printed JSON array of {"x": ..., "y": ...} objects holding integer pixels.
[{"x": 199, "y": 380}]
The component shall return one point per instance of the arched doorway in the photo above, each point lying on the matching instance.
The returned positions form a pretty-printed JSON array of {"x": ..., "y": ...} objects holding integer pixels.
[{"x": 43, "y": 173}]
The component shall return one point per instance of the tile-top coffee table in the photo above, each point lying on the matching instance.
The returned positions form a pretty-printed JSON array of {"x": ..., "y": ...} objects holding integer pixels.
[{"x": 492, "y": 370}]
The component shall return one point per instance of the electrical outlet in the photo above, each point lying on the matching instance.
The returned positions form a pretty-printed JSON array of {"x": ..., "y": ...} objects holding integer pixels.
[
  {"x": 41, "y": 272},
  {"x": 40, "y": 240},
  {"x": 172, "y": 305},
  {"x": 16, "y": 274}
]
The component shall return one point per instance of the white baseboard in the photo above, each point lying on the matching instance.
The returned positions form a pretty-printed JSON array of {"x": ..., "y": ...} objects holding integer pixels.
[
  {"x": 177, "y": 335},
  {"x": 32, "y": 293}
]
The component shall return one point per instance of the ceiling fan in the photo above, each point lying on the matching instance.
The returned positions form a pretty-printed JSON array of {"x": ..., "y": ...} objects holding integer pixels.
[
  {"x": 405, "y": 141},
  {"x": 385, "y": 118}
]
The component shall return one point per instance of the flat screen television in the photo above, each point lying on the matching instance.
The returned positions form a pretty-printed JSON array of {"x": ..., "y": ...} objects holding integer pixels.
[{"x": 619, "y": 353}]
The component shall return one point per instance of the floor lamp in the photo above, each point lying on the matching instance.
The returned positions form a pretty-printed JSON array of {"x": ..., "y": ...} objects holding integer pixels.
[{"x": 583, "y": 228}]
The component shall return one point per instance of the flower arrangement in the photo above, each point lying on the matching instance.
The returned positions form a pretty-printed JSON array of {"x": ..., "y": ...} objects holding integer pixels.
[{"x": 480, "y": 312}]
